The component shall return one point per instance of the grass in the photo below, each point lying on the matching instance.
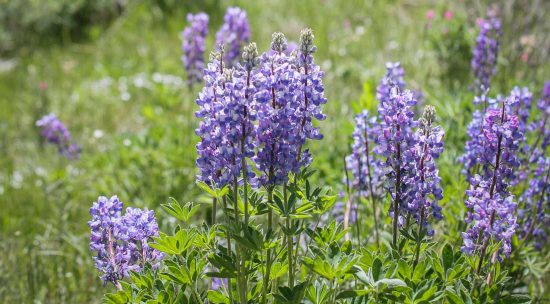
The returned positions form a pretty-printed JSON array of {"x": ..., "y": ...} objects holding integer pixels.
[{"x": 123, "y": 98}]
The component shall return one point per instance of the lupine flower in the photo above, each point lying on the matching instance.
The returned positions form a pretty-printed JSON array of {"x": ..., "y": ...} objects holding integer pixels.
[
  {"x": 311, "y": 93},
  {"x": 278, "y": 140},
  {"x": 226, "y": 129},
  {"x": 210, "y": 162},
  {"x": 394, "y": 77},
  {"x": 491, "y": 206},
  {"x": 536, "y": 165},
  {"x": 484, "y": 60},
  {"x": 471, "y": 159},
  {"x": 536, "y": 204},
  {"x": 194, "y": 45},
  {"x": 55, "y": 132},
  {"x": 121, "y": 242},
  {"x": 422, "y": 197},
  {"x": 394, "y": 144},
  {"x": 136, "y": 228},
  {"x": 233, "y": 34},
  {"x": 362, "y": 162}
]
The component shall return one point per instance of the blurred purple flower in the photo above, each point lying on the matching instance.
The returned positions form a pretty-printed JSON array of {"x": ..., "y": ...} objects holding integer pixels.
[{"x": 194, "y": 45}]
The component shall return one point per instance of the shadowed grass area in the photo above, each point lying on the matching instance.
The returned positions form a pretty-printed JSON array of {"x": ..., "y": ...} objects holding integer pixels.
[{"x": 124, "y": 98}]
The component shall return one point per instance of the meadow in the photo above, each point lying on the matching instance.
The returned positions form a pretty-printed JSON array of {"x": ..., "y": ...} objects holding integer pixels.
[{"x": 121, "y": 90}]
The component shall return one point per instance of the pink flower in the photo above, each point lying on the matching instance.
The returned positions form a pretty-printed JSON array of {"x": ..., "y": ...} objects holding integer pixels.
[
  {"x": 448, "y": 15},
  {"x": 480, "y": 21},
  {"x": 524, "y": 57},
  {"x": 42, "y": 85},
  {"x": 430, "y": 15}
]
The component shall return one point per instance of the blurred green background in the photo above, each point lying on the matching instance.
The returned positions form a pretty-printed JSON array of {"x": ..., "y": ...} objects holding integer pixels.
[{"x": 111, "y": 70}]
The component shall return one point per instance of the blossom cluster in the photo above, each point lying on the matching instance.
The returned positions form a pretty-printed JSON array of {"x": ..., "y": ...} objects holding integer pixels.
[
  {"x": 262, "y": 110},
  {"x": 394, "y": 77},
  {"x": 233, "y": 35},
  {"x": 484, "y": 60},
  {"x": 55, "y": 132},
  {"x": 395, "y": 144},
  {"x": 121, "y": 241},
  {"x": 491, "y": 205},
  {"x": 194, "y": 45},
  {"x": 362, "y": 162},
  {"x": 423, "y": 176}
]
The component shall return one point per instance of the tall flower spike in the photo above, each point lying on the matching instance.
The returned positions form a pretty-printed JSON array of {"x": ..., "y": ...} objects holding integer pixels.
[
  {"x": 362, "y": 162},
  {"x": 193, "y": 46},
  {"x": 426, "y": 191},
  {"x": 394, "y": 144},
  {"x": 311, "y": 93},
  {"x": 234, "y": 33},
  {"x": 485, "y": 54},
  {"x": 55, "y": 132},
  {"x": 491, "y": 205},
  {"x": 277, "y": 136},
  {"x": 394, "y": 77}
]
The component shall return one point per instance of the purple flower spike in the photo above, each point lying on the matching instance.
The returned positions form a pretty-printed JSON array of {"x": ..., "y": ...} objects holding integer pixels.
[
  {"x": 395, "y": 144},
  {"x": 425, "y": 190},
  {"x": 394, "y": 77},
  {"x": 362, "y": 163},
  {"x": 227, "y": 110},
  {"x": 194, "y": 45},
  {"x": 278, "y": 135},
  {"x": 233, "y": 35},
  {"x": 121, "y": 242},
  {"x": 55, "y": 132},
  {"x": 485, "y": 54},
  {"x": 490, "y": 203},
  {"x": 311, "y": 88}
]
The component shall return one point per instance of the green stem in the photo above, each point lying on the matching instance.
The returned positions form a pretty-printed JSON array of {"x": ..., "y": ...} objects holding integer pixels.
[
  {"x": 214, "y": 202},
  {"x": 419, "y": 240},
  {"x": 229, "y": 285},
  {"x": 241, "y": 283},
  {"x": 268, "y": 254},
  {"x": 289, "y": 242}
]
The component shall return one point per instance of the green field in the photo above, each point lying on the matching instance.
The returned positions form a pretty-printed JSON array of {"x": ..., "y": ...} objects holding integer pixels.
[{"x": 121, "y": 91}]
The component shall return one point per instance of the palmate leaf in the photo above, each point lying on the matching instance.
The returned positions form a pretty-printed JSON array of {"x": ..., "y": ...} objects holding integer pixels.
[
  {"x": 176, "y": 244},
  {"x": 182, "y": 213}
]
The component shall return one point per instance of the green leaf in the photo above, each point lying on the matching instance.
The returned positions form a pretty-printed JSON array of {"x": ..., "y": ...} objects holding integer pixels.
[
  {"x": 447, "y": 257},
  {"x": 217, "y": 297},
  {"x": 376, "y": 269}
]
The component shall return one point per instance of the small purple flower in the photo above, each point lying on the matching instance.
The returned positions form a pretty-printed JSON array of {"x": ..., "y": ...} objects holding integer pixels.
[
  {"x": 121, "y": 242},
  {"x": 55, "y": 132},
  {"x": 233, "y": 35},
  {"x": 194, "y": 45},
  {"x": 485, "y": 54}
]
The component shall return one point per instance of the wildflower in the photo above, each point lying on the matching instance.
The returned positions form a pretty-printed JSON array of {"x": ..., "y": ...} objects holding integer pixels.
[
  {"x": 233, "y": 34},
  {"x": 421, "y": 199},
  {"x": 121, "y": 242},
  {"x": 55, "y": 132},
  {"x": 394, "y": 144},
  {"x": 430, "y": 15},
  {"x": 484, "y": 60},
  {"x": 311, "y": 93},
  {"x": 492, "y": 208},
  {"x": 448, "y": 15},
  {"x": 194, "y": 45},
  {"x": 362, "y": 162},
  {"x": 394, "y": 77},
  {"x": 278, "y": 140}
]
